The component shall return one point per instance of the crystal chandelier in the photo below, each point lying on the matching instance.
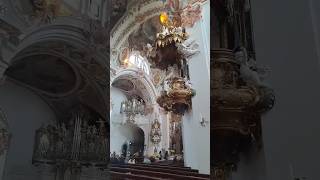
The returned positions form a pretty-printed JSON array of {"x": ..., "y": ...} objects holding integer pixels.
[{"x": 131, "y": 108}]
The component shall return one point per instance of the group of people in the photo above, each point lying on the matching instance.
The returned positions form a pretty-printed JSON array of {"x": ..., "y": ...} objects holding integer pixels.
[
  {"x": 116, "y": 159},
  {"x": 134, "y": 159},
  {"x": 163, "y": 155}
]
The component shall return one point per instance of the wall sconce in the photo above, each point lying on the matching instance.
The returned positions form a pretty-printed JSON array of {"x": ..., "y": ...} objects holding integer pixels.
[{"x": 203, "y": 121}]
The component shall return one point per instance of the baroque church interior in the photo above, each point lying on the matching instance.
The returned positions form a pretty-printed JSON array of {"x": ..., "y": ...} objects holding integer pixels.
[
  {"x": 159, "y": 89},
  {"x": 60, "y": 121},
  {"x": 54, "y": 90},
  {"x": 160, "y": 105}
]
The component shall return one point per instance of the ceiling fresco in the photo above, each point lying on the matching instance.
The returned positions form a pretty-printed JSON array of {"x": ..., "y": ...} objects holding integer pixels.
[
  {"x": 137, "y": 29},
  {"x": 146, "y": 34}
]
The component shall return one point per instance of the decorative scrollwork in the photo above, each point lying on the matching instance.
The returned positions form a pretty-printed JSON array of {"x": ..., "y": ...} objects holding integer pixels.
[
  {"x": 77, "y": 142},
  {"x": 178, "y": 97},
  {"x": 155, "y": 133},
  {"x": 239, "y": 98}
]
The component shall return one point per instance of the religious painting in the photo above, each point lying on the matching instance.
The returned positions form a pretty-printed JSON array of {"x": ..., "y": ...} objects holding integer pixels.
[{"x": 156, "y": 132}]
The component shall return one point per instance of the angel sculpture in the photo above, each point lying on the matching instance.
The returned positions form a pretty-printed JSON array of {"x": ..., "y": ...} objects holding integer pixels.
[
  {"x": 150, "y": 52},
  {"x": 172, "y": 72},
  {"x": 249, "y": 71},
  {"x": 188, "y": 48},
  {"x": 188, "y": 83},
  {"x": 246, "y": 73}
]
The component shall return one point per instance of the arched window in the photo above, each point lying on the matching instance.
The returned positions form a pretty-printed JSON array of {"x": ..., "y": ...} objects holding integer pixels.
[{"x": 140, "y": 62}]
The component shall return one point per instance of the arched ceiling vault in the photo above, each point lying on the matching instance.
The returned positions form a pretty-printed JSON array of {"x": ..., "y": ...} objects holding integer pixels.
[
  {"x": 132, "y": 20},
  {"x": 63, "y": 75},
  {"x": 133, "y": 83}
]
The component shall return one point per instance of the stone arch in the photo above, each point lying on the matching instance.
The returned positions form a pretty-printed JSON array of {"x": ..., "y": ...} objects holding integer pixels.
[
  {"x": 150, "y": 89},
  {"x": 62, "y": 58},
  {"x": 139, "y": 140},
  {"x": 128, "y": 23},
  {"x": 73, "y": 43},
  {"x": 125, "y": 133},
  {"x": 75, "y": 35}
]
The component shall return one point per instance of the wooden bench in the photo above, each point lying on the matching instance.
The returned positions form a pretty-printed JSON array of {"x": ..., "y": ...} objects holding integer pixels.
[
  {"x": 164, "y": 167},
  {"x": 125, "y": 176},
  {"x": 156, "y": 174},
  {"x": 171, "y": 171}
]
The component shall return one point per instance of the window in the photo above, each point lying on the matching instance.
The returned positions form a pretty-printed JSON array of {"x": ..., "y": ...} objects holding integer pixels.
[{"x": 140, "y": 62}]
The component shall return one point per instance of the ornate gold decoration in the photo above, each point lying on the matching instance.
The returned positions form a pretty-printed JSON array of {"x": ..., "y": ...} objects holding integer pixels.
[
  {"x": 238, "y": 95},
  {"x": 124, "y": 57},
  {"x": 178, "y": 98},
  {"x": 169, "y": 35},
  {"x": 172, "y": 31},
  {"x": 164, "y": 19},
  {"x": 237, "y": 107}
]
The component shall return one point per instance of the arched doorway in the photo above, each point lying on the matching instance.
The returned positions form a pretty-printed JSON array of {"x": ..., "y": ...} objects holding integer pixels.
[
  {"x": 128, "y": 83},
  {"x": 135, "y": 141},
  {"x": 127, "y": 141}
]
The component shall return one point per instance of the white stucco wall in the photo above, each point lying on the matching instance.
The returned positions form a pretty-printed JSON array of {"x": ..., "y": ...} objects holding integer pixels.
[
  {"x": 196, "y": 139},
  {"x": 116, "y": 139},
  {"x": 26, "y": 112}
]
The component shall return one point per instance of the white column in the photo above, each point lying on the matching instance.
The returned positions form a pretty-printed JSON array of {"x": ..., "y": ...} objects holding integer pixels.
[{"x": 164, "y": 129}]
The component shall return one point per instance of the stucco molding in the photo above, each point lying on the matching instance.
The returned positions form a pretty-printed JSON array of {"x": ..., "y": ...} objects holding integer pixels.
[{"x": 149, "y": 87}]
